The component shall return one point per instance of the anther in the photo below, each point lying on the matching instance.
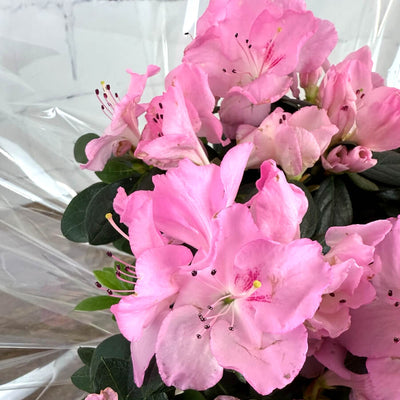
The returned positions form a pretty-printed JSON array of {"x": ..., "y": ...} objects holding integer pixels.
[
  {"x": 236, "y": 35},
  {"x": 162, "y": 116},
  {"x": 332, "y": 294},
  {"x": 155, "y": 120},
  {"x": 234, "y": 71},
  {"x": 231, "y": 328},
  {"x": 396, "y": 304},
  {"x": 98, "y": 284},
  {"x": 109, "y": 254},
  {"x": 224, "y": 69},
  {"x": 210, "y": 307},
  {"x": 108, "y": 87},
  {"x": 284, "y": 117},
  {"x": 97, "y": 92},
  {"x": 390, "y": 292},
  {"x": 158, "y": 116},
  {"x": 213, "y": 272},
  {"x": 247, "y": 40},
  {"x": 342, "y": 301},
  {"x": 345, "y": 108},
  {"x": 194, "y": 273},
  {"x": 362, "y": 95},
  {"x": 198, "y": 336},
  {"x": 249, "y": 46},
  {"x": 171, "y": 306},
  {"x": 207, "y": 326},
  {"x": 160, "y": 105},
  {"x": 396, "y": 340},
  {"x": 280, "y": 120},
  {"x": 109, "y": 291}
]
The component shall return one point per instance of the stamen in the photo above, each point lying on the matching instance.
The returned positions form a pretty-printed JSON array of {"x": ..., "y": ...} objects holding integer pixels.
[
  {"x": 115, "y": 226},
  {"x": 194, "y": 273},
  {"x": 213, "y": 272},
  {"x": 118, "y": 275},
  {"x": 390, "y": 292},
  {"x": 120, "y": 293},
  {"x": 396, "y": 340}
]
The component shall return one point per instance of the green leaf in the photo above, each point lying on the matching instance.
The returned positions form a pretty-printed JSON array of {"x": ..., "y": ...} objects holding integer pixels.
[
  {"x": 389, "y": 201},
  {"x": 86, "y": 354},
  {"x": 72, "y": 222},
  {"x": 116, "y": 374},
  {"x": 115, "y": 347},
  {"x": 96, "y": 303},
  {"x": 80, "y": 145},
  {"x": 99, "y": 230},
  {"x": 334, "y": 204},
  {"x": 190, "y": 395},
  {"x": 362, "y": 182},
  {"x": 118, "y": 168},
  {"x": 387, "y": 170},
  {"x": 107, "y": 278},
  {"x": 81, "y": 379}
]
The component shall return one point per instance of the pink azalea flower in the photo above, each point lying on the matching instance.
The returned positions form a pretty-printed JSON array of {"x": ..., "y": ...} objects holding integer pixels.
[
  {"x": 377, "y": 323},
  {"x": 273, "y": 189},
  {"x": 139, "y": 316},
  {"x": 351, "y": 93},
  {"x": 170, "y": 133},
  {"x": 218, "y": 320},
  {"x": 341, "y": 159},
  {"x": 295, "y": 141},
  {"x": 193, "y": 82},
  {"x": 238, "y": 43},
  {"x": 351, "y": 256},
  {"x": 123, "y": 133},
  {"x": 106, "y": 394}
]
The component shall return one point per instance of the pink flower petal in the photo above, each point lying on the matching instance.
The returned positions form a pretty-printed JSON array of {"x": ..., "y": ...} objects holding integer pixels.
[{"x": 184, "y": 360}]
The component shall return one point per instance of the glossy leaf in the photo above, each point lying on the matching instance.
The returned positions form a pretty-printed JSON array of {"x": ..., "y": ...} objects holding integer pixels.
[
  {"x": 80, "y": 145},
  {"x": 96, "y": 303},
  {"x": 73, "y": 221},
  {"x": 387, "y": 170}
]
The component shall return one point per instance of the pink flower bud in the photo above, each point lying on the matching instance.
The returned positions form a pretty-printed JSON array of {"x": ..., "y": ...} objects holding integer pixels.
[{"x": 341, "y": 159}]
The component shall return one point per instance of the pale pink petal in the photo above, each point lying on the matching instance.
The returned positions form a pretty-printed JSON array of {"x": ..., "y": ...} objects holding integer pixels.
[
  {"x": 183, "y": 360},
  {"x": 106, "y": 394},
  {"x": 143, "y": 349},
  {"x": 279, "y": 207},
  {"x": 232, "y": 168},
  {"x": 271, "y": 363},
  {"x": 192, "y": 195},
  {"x": 385, "y": 374},
  {"x": 136, "y": 212},
  {"x": 291, "y": 292}
]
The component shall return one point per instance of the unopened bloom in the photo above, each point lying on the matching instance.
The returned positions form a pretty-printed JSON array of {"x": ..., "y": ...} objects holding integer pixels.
[{"x": 341, "y": 159}]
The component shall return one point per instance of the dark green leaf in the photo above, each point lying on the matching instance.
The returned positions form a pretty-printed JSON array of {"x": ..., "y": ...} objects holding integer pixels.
[
  {"x": 190, "y": 395},
  {"x": 146, "y": 181},
  {"x": 362, "y": 182},
  {"x": 387, "y": 170},
  {"x": 86, "y": 354},
  {"x": 96, "y": 303},
  {"x": 114, "y": 347},
  {"x": 389, "y": 201},
  {"x": 118, "y": 168},
  {"x": 81, "y": 379},
  {"x": 123, "y": 245},
  {"x": 99, "y": 230},
  {"x": 80, "y": 145},
  {"x": 116, "y": 374},
  {"x": 72, "y": 223},
  {"x": 334, "y": 204}
]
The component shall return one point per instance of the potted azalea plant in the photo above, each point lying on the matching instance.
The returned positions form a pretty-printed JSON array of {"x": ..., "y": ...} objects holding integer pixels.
[{"x": 254, "y": 214}]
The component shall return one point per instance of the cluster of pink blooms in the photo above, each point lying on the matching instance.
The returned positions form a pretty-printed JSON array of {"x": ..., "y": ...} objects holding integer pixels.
[{"x": 223, "y": 285}]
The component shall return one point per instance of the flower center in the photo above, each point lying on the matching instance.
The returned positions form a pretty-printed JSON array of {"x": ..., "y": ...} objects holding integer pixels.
[{"x": 222, "y": 307}]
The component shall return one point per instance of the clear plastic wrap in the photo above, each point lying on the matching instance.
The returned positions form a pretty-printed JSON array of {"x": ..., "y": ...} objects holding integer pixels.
[{"x": 53, "y": 54}]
